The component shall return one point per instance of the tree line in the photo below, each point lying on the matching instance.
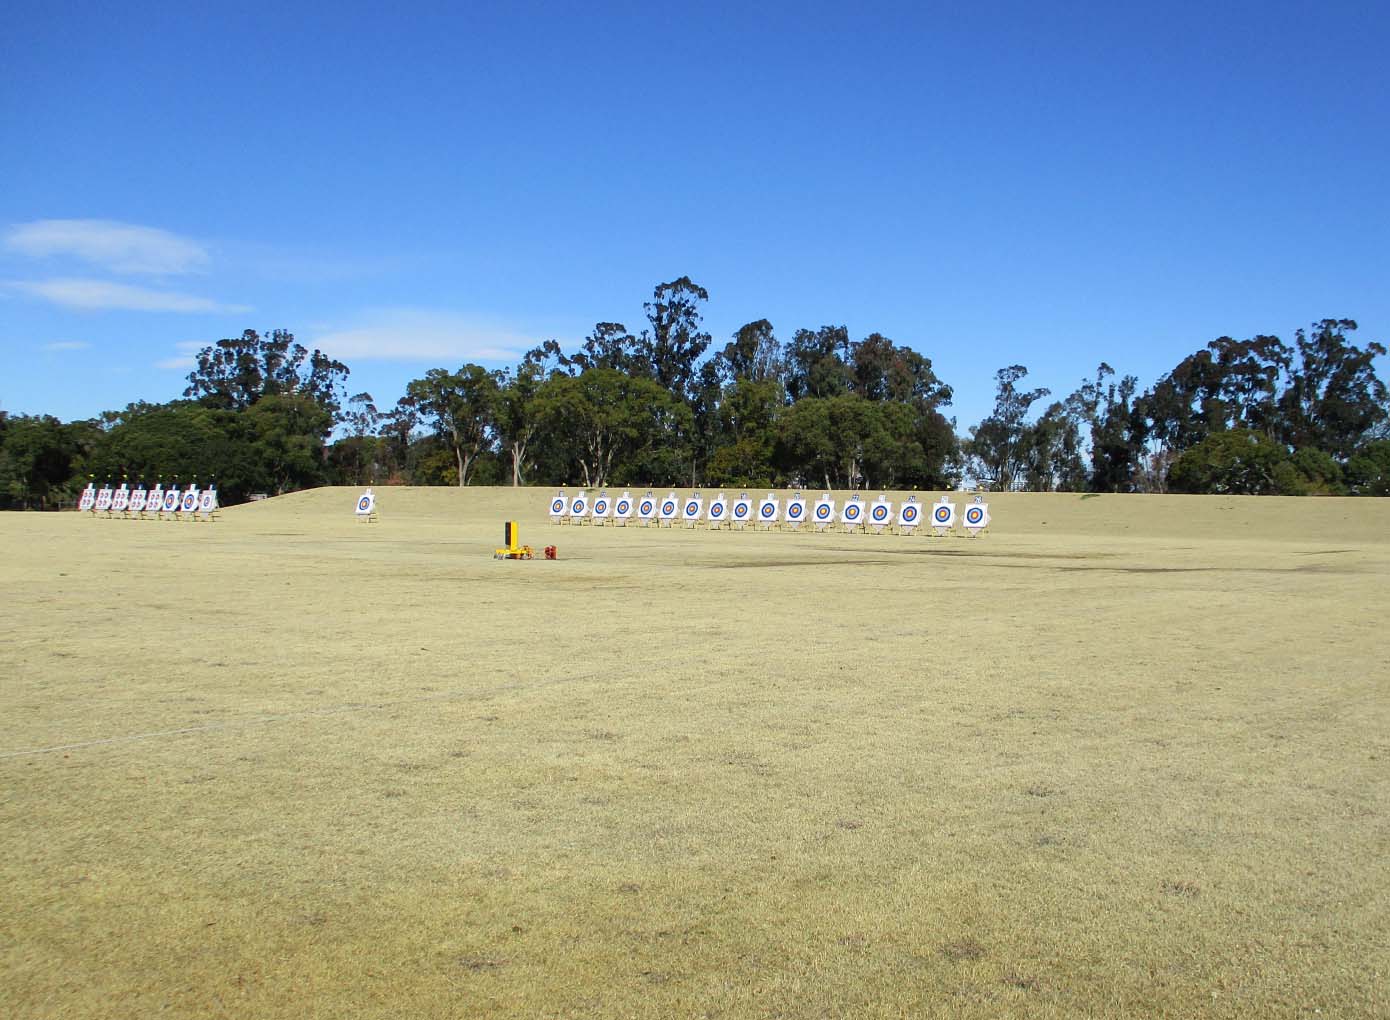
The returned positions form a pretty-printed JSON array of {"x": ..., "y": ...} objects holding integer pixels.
[{"x": 666, "y": 406}]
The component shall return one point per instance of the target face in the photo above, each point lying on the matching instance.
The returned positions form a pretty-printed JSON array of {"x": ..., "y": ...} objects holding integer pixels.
[
  {"x": 104, "y": 499},
  {"x": 852, "y": 512},
  {"x": 190, "y": 501},
  {"x": 171, "y": 501},
  {"x": 600, "y": 507},
  {"x": 942, "y": 514},
  {"x": 668, "y": 509},
  {"x": 623, "y": 508},
  {"x": 880, "y": 512},
  {"x": 578, "y": 507},
  {"x": 716, "y": 511},
  {"x": 795, "y": 510},
  {"x": 692, "y": 509},
  {"x": 88, "y": 500},
  {"x": 768, "y": 511},
  {"x": 364, "y": 505},
  {"x": 740, "y": 510},
  {"x": 975, "y": 515},
  {"x": 557, "y": 506},
  {"x": 207, "y": 502},
  {"x": 120, "y": 500},
  {"x": 137, "y": 500},
  {"x": 823, "y": 511},
  {"x": 909, "y": 514},
  {"x": 645, "y": 508}
]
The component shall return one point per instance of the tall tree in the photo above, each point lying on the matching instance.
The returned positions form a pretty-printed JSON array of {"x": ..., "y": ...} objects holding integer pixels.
[
  {"x": 459, "y": 407},
  {"x": 1335, "y": 399},
  {"x": 998, "y": 443},
  {"x": 675, "y": 341},
  {"x": 753, "y": 354},
  {"x": 818, "y": 363},
  {"x": 235, "y": 373},
  {"x": 517, "y": 416}
]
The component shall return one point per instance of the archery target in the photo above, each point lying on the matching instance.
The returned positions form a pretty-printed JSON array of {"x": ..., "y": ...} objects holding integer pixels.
[
  {"x": 207, "y": 500},
  {"x": 190, "y": 501},
  {"x": 943, "y": 515},
  {"x": 908, "y": 516},
  {"x": 154, "y": 502},
  {"x": 137, "y": 501},
  {"x": 718, "y": 510},
  {"x": 693, "y": 506},
  {"x": 743, "y": 510},
  {"x": 622, "y": 509},
  {"x": 825, "y": 511},
  {"x": 767, "y": 511},
  {"x": 668, "y": 508},
  {"x": 88, "y": 499},
  {"x": 579, "y": 506},
  {"x": 171, "y": 501},
  {"x": 646, "y": 508},
  {"x": 853, "y": 513},
  {"x": 366, "y": 503},
  {"x": 881, "y": 513},
  {"x": 104, "y": 499},
  {"x": 977, "y": 516},
  {"x": 601, "y": 506},
  {"x": 559, "y": 505},
  {"x": 796, "y": 510},
  {"x": 121, "y": 500}
]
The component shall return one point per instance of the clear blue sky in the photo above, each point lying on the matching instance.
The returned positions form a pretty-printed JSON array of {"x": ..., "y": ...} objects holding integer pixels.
[{"x": 417, "y": 185}]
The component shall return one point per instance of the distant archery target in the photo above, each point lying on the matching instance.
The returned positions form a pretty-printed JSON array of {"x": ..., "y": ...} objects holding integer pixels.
[
  {"x": 907, "y": 516},
  {"x": 852, "y": 513},
  {"x": 120, "y": 502},
  {"x": 207, "y": 501},
  {"x": 881, "y": 513},
  {"x": 190, "y": 501},
  {"x": 646, "y": 509},
  {"x": 743, "y": 509},
  {"x": 88, "y": 499},
  {"x": 171, "y": 501},
  {"x": 976, "y": 517},
  {"x": 668, "y": 509},
  {"x": 718, "y": 510},
  {"x": 137, "y": 501},
  {"x": 104, "y": 499},
  {"x": 622, "y": 509},
  {"x": 825, "y": 511},
  {"x": 601, "y": 506},
  {"x": 559, "y": 505},
  {"x": 796, "y": 510},
  {"x": 767, "y": 511},
  {"x": 154, "y": 501},
  {"x": 943, "y": 516},
  {"x": 366, "y": 503},
  {"x": 693, "y": 507},
  {"x": 579, "y": 507}
]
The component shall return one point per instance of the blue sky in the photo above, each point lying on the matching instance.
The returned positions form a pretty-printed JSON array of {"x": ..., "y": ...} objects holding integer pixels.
[{"x": 419, "y": 185}]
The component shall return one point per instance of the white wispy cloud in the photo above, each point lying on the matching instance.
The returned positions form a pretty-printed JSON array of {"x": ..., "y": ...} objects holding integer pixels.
[
  {"x": 67, "y": 345},
  {"x": 102, "y": 294},
  {"x": 182, "y": 363},
  {"x": 410, "y": 334},
  {"x": 118, "y": 247}
]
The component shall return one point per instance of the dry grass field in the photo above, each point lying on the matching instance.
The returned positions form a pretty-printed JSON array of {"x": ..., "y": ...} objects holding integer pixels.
[{"x": 1121, "y": 757}]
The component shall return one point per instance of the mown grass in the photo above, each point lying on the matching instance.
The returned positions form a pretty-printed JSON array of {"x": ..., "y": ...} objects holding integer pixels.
[{"x": 1121, "y": 757}]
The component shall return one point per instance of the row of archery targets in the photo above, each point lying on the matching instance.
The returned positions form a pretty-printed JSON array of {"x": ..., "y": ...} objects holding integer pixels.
[
  {"x": 771, "y": 513},
  {"x": 188, "y": 503}
]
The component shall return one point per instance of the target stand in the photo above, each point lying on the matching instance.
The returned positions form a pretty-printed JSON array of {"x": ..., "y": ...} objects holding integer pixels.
[{"x": 366, "y": 507}]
